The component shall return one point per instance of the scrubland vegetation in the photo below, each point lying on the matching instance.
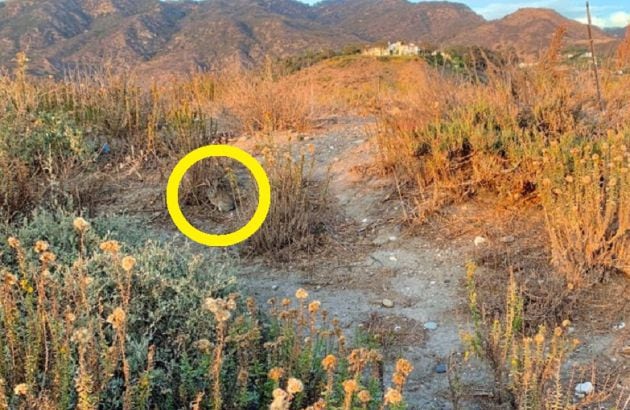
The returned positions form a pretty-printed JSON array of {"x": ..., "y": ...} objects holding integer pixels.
[{"x": 96, "y": 315}]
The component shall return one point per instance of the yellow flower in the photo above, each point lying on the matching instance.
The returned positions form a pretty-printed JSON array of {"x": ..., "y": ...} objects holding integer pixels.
[
  {"x": 128, "y": 262},
  {"x": 80, "y": 224},
  {"x": 21, "y": 389},
  {"x": 539, "y": 338},
  {"x": 314, "y": 306},
  {"x": 364, "y": 396},
  {"x": 393, "y": 396},
  {"x": 301, "y": 294},
  {"x": 26, "y": 287},
  {"x": 111, "y": 247},
  {"x": 294, "y": 386},
  {"x": 276, "y": 374},
  {"x": 117, "y": 318},
  {"x": 41, "y": 246},
  {"x": 566, "y": 323},
  {"x": 350, "y": 386},
  {"x": 404, "y": 367},
  {"x": 329, "y": 362},
  {"x": 286, "y": 302}
]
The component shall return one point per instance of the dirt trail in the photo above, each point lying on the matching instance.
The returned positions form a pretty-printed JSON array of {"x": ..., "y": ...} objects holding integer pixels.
[{"x": 375, "y": 261}]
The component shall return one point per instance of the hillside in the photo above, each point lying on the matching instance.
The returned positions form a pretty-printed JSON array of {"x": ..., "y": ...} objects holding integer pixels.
[
  {"x": 529, "y": 30},
  {"x": 185, "y": 35}
]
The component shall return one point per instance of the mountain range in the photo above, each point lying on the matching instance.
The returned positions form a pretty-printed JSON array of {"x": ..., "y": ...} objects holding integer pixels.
[{"x": 179, "y": 36}]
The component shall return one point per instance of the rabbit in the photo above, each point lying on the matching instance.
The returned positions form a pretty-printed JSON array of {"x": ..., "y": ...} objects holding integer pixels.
[{"x": 219, "y": 198}]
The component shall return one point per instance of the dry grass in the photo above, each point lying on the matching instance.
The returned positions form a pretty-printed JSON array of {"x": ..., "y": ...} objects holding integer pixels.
[
  {"x": 300, "y": 213},
  {"x": 512, "y": 137},
  {"x": 266, "y": 102}
]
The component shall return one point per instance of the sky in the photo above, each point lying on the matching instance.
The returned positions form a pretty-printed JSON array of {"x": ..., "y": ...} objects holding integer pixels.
[{"x": 606, "y": 13}]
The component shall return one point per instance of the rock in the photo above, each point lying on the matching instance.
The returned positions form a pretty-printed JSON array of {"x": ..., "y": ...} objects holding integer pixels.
[
  {"x": 507, "y": 239},
  {"x": 387, "y": 303},
  {"x": 393, "y": 258},
  {"x": 620, "y": 325},
  {"x": 430, "y": 326},
  {"x": 274, "y": 287},
  {"x": 584, "y": 389},
  {"x": 480, "y": 240},
  {"x": 441, "y": 368}
]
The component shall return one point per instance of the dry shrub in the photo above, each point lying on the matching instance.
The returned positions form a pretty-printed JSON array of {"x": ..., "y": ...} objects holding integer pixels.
[
  {"x": 300, "y": 211},
  {"x": 93, "y": 328},
  {"x": 266, "y": 102},
  {"x": 623, "y": 52},
  {"x": 586, "y": 198},
  {"x": 527, "y": 368},
  {"x": 16, "y": 191}
]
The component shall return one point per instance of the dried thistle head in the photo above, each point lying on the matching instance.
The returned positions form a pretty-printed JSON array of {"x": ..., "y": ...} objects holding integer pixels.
[
  {"x": 364, "y": 396},
  {"x": 350, "y": 386},
  {"x": 13, "y": 242},
  {"x": 117, "y": 318},
  {"x": 111, "y": 247},
  {"x": 294, "y": 386},
  {"x": 314, "y": 306},
  {"x": 276, "y": 374},
  {"x": 404, "y": 367},
  {"x": 329, "y": 363},
  {"x": 21, "y": 389},
  {"x": 80, "y": 225},
  {"x": 301, "y": 294},
  {"x": 127, "y": 263},
  {"x": 41, "y": 246},
  {"x": 393, "y": 396},
  {"x": 47, "y": 257},
  {"x": 9, "y": 279}
]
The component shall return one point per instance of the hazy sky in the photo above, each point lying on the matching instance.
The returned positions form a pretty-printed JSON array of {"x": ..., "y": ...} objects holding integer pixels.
[{"x": 607, "y": 13}]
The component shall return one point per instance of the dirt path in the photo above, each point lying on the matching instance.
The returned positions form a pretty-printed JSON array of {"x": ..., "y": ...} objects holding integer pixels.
[{"x": 374, "y": 263}]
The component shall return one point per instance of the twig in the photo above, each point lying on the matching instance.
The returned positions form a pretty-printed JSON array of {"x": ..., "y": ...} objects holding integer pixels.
[{"x": 595, "y": 70}]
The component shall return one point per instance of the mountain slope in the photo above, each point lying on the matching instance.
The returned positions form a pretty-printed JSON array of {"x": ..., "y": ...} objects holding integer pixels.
[
  {"x": 529, "y": 31},
  {"x": 184, "y": 35},
  {"x": 377, "y": 20}
]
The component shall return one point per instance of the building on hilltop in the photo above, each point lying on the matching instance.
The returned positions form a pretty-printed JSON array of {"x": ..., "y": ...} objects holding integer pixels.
[{"x": 398, "y": 48}]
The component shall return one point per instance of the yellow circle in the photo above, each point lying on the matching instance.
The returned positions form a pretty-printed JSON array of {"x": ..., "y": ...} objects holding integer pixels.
[{"x": 223, "y": 240}]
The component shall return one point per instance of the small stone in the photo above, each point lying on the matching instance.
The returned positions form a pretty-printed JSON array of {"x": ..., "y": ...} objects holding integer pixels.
[
  {"x": 507, "y": 239},
  {"x": 480, "y": 240},
  {"x": 620, "y": 325},
  {"x": 393, "y": 258},
  {"x": 274, "y": 287},
  {"x": 388, "y": 303},
  {"x": 585, "y": 388},
  {"x": 430, "y": 326},
  {"x": 441, "y": 368}
]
